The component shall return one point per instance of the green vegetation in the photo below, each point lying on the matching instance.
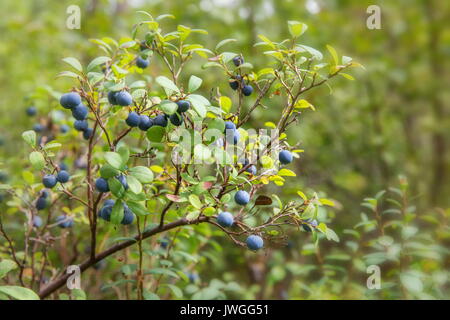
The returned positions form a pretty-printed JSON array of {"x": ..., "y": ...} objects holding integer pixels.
[{"x": 95, "y": 120}]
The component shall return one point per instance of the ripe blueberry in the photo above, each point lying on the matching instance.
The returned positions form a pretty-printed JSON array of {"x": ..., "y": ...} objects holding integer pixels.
[
  {"x": 49, "y": 181},
  {"x": 251, "y": 169},
  {"x": 145, "y": 122},
  {"x": 101, "y": 185},
  {"x": 64, "y": 221},
  {"x": 87, "y": 134},
  {"x": 31, "y": 111},
  {"x": 238, "y": 60},
  {"x": 44, "y": 193},
  {"x": 285, "y": 157},
  {"x": 133, "y": 119},
  {"x": 160, "y": 120},
  {"x": 80, "y": 112},
  {"x": 234, "y": 84},
  {"x": 63, "y": 176},
  {"x": 128, "y": 215},
  {"x": 230, "y": 125},
  {"x": 41, "y": 203},
  {"x": 225, "y": 219},
  {"x": 37, "y": 221},
  {"x": 183, "y": 105},
  {"x": 307, "y": 227},
  {"x": 38, "y": 127},
  {"x": 176, "y": 119},
  {"x": 80, "y": 125},
  {"x": 105, "y": 212},
  {"x": 254, "y": 242},
  {"x": 242, "y": 197},
  {"x": 236, "y": 136},
  {"x": 123, "y": 98},
  {"x": 123, "y": 180},
  {"x": 70, "y": 100},
  {"x": 247, "y": 90},
  {"x": 142, "y": 63},
  {"x": 112, "y": 97},
  {"x": 109, "y": 202},
  {"x": 64, "y": 128}
]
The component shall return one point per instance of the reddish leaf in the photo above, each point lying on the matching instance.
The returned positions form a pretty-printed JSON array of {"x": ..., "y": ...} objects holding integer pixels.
[
  {"x": 174, "y": 198},
  {"x": 208, "y": 185},
  {"x": 263, "y": 201}
]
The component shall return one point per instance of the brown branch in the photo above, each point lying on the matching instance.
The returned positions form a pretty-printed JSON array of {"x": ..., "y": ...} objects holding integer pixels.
[{"x": 58, "y": 283}]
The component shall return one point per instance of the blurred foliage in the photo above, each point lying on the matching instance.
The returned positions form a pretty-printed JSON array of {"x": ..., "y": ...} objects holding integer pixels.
[{"x": 391, "y": 121}]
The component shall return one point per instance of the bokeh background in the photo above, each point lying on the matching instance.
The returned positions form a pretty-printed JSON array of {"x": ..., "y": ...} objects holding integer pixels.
[{"x": 387, "y": 129}]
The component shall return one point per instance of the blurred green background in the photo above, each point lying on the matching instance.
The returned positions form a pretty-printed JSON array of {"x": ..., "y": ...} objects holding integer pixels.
[{"x": 392, "y": 121}]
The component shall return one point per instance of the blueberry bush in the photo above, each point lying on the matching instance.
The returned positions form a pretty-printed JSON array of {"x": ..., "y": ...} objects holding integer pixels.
[{"x": 138, "y": 154}]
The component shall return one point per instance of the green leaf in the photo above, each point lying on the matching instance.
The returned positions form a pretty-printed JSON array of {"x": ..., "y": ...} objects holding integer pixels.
[
  {"x": 74, "y": 63},
  {"x": 52, "y": 145},
  {"x": 167, "y": 84},
  {"x": 267, "y": 41},
  {"x": 346, "y": 76},
  {"x": 145, "y": 13},
  {"x": 29, "y": 137},
  {"x": 193, "y": 215},
  {"x": 286, "y": 173},
  {"x": 107, "y": 171},
  {"x": 114, "y": 159},
  {"x": 246, "y": 65},
  {"x": 175, "y": 290},
  {"x": 164, "y": 16},
  {"x": 326, "y": 202},
  {"x": 155, "y": 134},
  {"x": 224, "y": 42},
  {"x": 124, "y": 153},
  {"x": 333, "y": 54},
  {"x": 163, "y": 271},
  {"x": 296, "y": 28},
  {"x": 309, "y": 211},
  {"x": 28, "y": 177},
  {"x": 37, "y": 160},
  {"x": 68, "y": 74},
  {"x": 316, "y": 54},
  {"x": 209, "y": 211},
  {"x": 331, "y": 235},
  {"x": 137, "y": 208},
  {"x": 96, "y": 62},
  {"x": 168, "y": 107},
  {"x": 411, "y": 282},
  {"x": 150, "y": 295},
  {"x": 225, "y": 103},
  {"x": 195, "y": 201},
  {"x": 199, "y": 104},
  {"x": 134, "y": 184},
  {"x": 346, "y": 60},
  {"x": 217, "y": 123},
  {"x": 6, "y": 266},
  {"x": 117, "y": 212},
  {"x": 78, "y": 294},
  {"x": 19, "y": 293},
  {"x": 143, "y": 174},
  {"x": 116, "y": 187},
  {"x": 194, "y": 83}
]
